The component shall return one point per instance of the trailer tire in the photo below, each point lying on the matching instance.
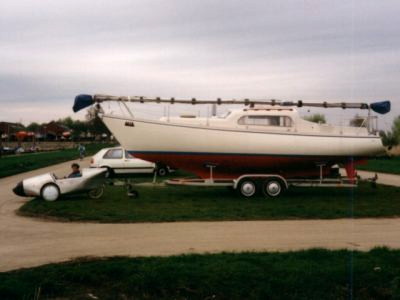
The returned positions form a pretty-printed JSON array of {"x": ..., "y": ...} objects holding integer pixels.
[
  {"x": 162, "y": 171},
  {"x": 247, "y": 187},
  {"x": 273, "y": 187}
]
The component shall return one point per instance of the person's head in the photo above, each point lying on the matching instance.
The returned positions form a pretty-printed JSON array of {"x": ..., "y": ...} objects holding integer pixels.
[{"x": 75, "y": 167}]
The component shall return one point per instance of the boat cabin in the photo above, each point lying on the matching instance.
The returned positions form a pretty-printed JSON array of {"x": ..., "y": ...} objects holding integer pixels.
[{"x": 270, "y": 119}]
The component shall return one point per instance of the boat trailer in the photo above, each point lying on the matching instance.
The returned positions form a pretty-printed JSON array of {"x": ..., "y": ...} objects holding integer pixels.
[{"x": 271, "y": 185}]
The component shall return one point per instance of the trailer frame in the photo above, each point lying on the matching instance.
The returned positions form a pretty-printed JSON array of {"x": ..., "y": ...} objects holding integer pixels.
[{"x": 272, "y": 185}]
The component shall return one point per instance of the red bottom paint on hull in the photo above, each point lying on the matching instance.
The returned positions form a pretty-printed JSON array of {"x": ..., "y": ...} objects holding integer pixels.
[{"x": 231, "y": 166}]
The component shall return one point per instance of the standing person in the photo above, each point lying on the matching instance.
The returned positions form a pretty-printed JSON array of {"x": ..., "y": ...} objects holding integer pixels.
[{"x": 82, "y": 150}]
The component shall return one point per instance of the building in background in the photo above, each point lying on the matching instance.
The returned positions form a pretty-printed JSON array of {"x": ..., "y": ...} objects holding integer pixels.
[
  {"x": 8, "y": 131},
  {"x": 54, "y": 131}
]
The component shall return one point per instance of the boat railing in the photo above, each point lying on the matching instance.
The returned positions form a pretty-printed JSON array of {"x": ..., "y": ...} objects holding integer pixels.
[
  {"x": 370, "y": 123},
  {"x": 358, "y": 125}
]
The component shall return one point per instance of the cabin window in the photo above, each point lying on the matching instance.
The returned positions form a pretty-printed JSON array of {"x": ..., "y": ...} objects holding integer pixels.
[
  {"x": 280, "y": 121},
  {"x": 113, "y": 154}
]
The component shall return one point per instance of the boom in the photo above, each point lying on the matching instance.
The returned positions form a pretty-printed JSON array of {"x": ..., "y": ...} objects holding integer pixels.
[{"x": 82, "y": 101}]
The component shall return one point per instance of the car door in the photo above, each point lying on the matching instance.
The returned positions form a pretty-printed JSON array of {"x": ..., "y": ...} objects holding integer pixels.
[{"x": 135, "y": 165}]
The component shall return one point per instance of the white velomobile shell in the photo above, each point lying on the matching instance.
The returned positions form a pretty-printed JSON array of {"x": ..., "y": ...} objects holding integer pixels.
[
  {"x": 33, "y": 185},
  {"x": 91, "y": 178}
]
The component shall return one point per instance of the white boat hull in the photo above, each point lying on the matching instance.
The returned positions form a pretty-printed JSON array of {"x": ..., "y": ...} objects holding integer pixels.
[{"x": 234, "y": 151}]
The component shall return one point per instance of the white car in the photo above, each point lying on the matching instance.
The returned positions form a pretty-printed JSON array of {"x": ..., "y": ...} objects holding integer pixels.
[
  {"x": 118, "y": 161},
  {"x": 49, "y": 187}
]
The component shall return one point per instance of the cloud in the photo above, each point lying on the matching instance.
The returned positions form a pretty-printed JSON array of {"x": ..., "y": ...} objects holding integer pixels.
[{"x": 317, "y": 50}]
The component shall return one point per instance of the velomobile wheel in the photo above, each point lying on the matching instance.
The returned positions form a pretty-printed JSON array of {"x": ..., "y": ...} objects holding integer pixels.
[
  {"x": 247, "y": 188},
  {"x": 272, "y": 187},
  {"x": 50, "y": 192},
  {"x": 96, "y": 193}
]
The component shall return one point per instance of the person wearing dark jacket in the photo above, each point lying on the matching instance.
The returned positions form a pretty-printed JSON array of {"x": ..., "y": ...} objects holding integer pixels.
[{"x": 75, "y": 171}]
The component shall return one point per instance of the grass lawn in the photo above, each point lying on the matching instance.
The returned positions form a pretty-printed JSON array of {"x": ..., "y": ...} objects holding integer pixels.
[
  {"x": 11, "y": 165},
  {"x": 311, "y": 274},
  {"x": 383, "y": 165},
  {"x": 169, "y": 203}
]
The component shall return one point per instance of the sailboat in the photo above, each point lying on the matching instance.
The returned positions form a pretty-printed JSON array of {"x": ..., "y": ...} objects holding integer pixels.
[{"x": 262, "y": 137}]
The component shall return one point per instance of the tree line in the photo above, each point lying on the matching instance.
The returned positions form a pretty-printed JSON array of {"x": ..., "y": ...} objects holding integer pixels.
[{"x": 92, "y": 125}]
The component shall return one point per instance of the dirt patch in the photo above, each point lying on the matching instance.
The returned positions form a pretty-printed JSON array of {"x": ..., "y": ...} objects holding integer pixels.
[{"x": 395, "y": 151}]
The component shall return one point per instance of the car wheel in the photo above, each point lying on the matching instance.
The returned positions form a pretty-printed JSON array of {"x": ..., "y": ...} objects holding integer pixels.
[
  {"x": 96, "y": 193},
  {"x": 247, "y": 188},
  {"x": 162, "y": 171},
  {"x": 272, "y": 187},
  {"x": 50, "y": 192}
]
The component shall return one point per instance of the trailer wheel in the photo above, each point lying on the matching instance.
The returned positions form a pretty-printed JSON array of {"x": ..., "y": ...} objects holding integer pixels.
[
  {"x": 272, "y": 187},
  {"x": 50, "y": 192},
  {"x": 247, "y": 188},
  {"x": 162, "y": 171}
]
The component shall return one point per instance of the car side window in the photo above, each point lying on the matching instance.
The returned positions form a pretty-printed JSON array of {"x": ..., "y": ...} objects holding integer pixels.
[
  {"x": 128, "y": 155},
  {"x": 113, "y": 154}
]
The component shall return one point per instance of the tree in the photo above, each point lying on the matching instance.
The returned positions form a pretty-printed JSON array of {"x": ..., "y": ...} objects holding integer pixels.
[
  {"x": 68, "y": 122},
  {"x": 396, "y": 128},
  {"x": 79, "y": 127},
  {"x": 95, "y": 124},
  {"x": 391, "y": 137},
  {"x": 76, "y": 126},
  {"x": 33, "y": 127},
  {"x": 316, "y": 118},
  {"x": 388, "y": 138}
]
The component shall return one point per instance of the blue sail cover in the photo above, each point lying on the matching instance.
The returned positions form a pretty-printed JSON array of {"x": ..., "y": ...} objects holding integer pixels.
[
  {"x": 381, "y": 107},
  {"x": 82, "y": 101}
]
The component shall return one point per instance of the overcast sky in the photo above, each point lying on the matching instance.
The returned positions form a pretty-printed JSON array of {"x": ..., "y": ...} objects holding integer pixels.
[{"x": 51, "y": 51}]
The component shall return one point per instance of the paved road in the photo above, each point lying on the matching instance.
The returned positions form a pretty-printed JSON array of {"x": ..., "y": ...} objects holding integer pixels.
[
  {"x": 388, "y": 179},
  {"x": 26, "y": 242}
]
